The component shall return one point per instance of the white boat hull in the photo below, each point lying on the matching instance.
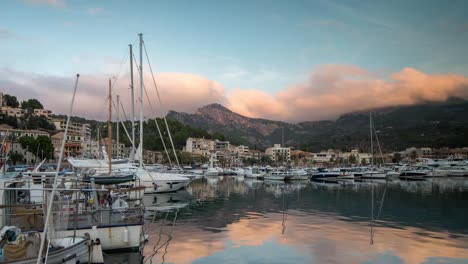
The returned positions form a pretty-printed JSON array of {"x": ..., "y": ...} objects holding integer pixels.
[
  {"x": 125, "y": 238},
  {"x": 274, "y": 177},
  {"x": 77, "y": 253}
]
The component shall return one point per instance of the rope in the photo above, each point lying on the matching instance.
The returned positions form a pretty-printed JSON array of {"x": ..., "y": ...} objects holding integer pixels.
[
  {"x": 123, "y": 124},
  {"x": 160, "y": 102},
  {"x": 155, "y": 121},
  {"x": 378, "y": 143},
  {"x": 54, "y": 189},
  {"x": 372, "y": 216}
]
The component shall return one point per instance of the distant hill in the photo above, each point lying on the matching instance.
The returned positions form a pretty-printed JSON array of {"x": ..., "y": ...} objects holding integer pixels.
[{"x": 427, "y": 124}]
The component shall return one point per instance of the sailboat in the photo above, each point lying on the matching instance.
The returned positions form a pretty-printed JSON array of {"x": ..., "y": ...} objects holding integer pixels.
[
  {"x": 373, "y": 173},
  {"x": 154, "y": 182}
]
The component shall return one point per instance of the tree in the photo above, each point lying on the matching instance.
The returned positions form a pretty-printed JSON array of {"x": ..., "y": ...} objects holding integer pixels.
[
  {"x": 42, "y": 145},
  {"x": 11, "y": 100},
  {"x": 413, "y": 155},
  {"x": 16, "y": 157},
  {"x": 31, "y": 104},
  {"x": 36, "y": 122},
  {"x": 266, "y": 160},
  {"x": 352, "y": 159},
  {"x": 9, "y": 120},
  {"x": 396, "y": 157},
  {"x": 363, "y": 161}
]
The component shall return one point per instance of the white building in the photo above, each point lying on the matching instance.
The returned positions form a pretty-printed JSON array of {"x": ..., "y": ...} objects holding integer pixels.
[
  {"x": 278, "y": 153},
  {"x": 73, "y": 127},
  {"x": 242, "y": 151},
  {"x": 360, "y": 157},
  {"x": 6, "y": 129},
  {"x": 42, "y": 112},
  {"x": 324, "y": 156},
  {"x": 199, "y": 146},
  {"x": 10, "y": 111}
]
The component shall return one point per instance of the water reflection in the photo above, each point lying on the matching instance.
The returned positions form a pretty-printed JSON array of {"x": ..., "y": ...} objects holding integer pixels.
[{"x": 236, "y": 220}]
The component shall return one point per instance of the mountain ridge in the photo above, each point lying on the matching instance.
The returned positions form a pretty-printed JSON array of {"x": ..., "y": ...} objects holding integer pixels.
[{"x": 424, "y": 124}]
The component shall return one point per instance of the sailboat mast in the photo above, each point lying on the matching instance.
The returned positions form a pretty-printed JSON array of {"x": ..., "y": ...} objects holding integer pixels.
[
  {"x": 141, "y": 100},
  {"x": 109, "y": 127},
  {"x": 118, "y": 124},
  {"x": 133, "y": 98},
  {"x": 371, "y": 143}
]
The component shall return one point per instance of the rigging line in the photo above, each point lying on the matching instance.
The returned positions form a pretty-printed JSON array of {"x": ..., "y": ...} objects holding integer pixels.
[
  {"x": 160, "y": 102},
  {"x": 54, "y": 189},
  {"x": 123, "y": 61},
  {"x": 372, "y": 216},
  {"x": 378, "y": 143},
  {"x": 155, "y": 120},
  {"x": 123, "y": 124}
]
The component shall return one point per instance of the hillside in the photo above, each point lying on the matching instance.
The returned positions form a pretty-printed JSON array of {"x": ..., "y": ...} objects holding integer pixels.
[{"x": 428, "y": 124}]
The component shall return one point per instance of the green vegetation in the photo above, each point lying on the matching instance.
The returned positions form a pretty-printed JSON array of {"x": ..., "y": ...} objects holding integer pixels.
[
  {"x": 28, "y": 120},
  {"x": 9, "y": 120},
  {"x": 11, "y": 100},
  {"x": 42, "y": 146},
  {"x": 151, "y": 137},
  {"x": 432, "y": 125},
  {"x": 31, "y": 104},
  {"x": 16, "y": 158}
]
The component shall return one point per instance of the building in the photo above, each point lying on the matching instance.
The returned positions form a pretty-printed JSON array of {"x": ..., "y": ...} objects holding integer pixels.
[
  {"x": 73, "y": 127},
  {"x": 152, "y": 157},
  {"x": 117, "y": 149},
  {"x": 6, "y": 129},
  {"x": 199, "y": 146},
  {"x": 324, "y": 156},
  {"x": 221, "y": 145},
  {"x": 42, "y": 112},
  {"x": 73, "y": 144},
  {"x": 278, "y": 153},
  {"x": 360, "y": 158},
  {"x": 10, "y": 111},
  {"x": 242, "y": 151}
]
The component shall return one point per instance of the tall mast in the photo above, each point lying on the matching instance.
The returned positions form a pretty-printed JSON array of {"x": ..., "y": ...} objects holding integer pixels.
[
  {"x": 371, "y": 143},
  {"x": 118, "y": 124},
  {"x": 109, "y": 127},
  {"x": 133, "y": 98},
  {"x": 141, "y": 99}
]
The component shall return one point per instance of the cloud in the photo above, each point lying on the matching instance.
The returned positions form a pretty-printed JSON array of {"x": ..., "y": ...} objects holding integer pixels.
[
  {"x": 94, "y": 10},
  {"x": 55, "y": 3},
  {"x": 181, "y": 91},
  {"x": 332, "y": 90}
]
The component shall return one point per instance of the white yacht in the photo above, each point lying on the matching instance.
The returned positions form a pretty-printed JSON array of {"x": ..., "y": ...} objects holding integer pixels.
[
  {"x": 254, "y": 172},
  {"x": 277, "y": 175},
  {"x": 154, "y": 182}
]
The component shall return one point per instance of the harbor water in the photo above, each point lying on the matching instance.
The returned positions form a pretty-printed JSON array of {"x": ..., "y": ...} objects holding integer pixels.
[{"x": 235, "y": 220}]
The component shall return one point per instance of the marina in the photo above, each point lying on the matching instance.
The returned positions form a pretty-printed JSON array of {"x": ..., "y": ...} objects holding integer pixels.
[{"x": 233, "y": 132}]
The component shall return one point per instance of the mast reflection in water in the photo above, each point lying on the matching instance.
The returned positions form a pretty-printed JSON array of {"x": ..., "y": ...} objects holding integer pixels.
[{"x": 236, "y": 220}]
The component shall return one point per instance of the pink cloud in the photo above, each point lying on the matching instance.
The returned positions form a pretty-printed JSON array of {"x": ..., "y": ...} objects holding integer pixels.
[
  {"x": 332, "y": 90},
  {"x": 180, "y": 91},
  {"x": 329, "y": 91}
]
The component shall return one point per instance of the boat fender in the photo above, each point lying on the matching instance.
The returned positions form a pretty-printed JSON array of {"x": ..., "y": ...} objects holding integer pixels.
[
  {"x": 97, "y": 257},
  {"x": 125, "y": 236}
]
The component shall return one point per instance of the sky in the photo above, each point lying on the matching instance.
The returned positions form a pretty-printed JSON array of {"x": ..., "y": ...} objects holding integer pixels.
[{"x": 283, "y": 60}]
